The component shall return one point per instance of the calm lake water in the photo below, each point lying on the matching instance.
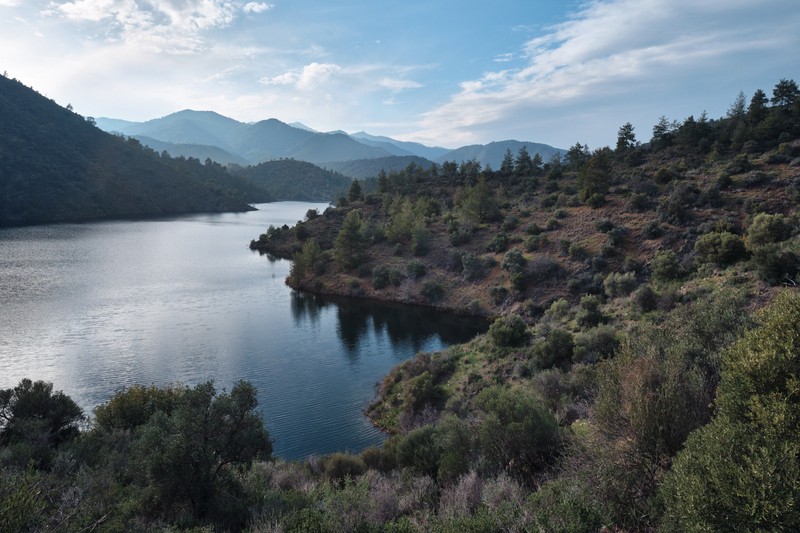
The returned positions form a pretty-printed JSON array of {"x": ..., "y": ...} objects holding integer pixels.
[{"x": 97, "y": 307}]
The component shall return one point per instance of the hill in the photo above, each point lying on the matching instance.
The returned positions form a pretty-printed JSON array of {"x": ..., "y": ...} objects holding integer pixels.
[
  {"x": 401, "y": 147},
  {"x": 492, "y": 154},
  {"x": 370, "y": 168},
  {"x": 287, "y": 179},
  {"x": 196, "y": 151},
  {"x": 57, "y": 166},
  {"x": 625, "y": 361}
]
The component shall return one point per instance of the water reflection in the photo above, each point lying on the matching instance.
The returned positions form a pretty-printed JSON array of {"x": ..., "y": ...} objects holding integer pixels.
[{"x": 406, "y": 327}]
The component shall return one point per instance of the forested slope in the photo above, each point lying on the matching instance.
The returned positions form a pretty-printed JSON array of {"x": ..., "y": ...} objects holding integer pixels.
[{"x": 57, "y": 166}]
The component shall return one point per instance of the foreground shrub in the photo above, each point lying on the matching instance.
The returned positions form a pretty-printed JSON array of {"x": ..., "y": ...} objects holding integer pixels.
[
  {"x": 721, "y": 248},
  {"x": 508, "y": 331}
]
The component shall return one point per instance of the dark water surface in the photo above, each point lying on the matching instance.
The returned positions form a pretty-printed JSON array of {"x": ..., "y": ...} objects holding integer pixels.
[{"x": 100, "y": 306}]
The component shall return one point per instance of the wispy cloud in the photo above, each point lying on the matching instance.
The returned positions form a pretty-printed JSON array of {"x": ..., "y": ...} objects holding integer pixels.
[
  {"x": 305, "y": 79},
  {"x": 610, "y": 49},
  {"x": 10, "y": 3},
  {"x": 257, "y": 7}
]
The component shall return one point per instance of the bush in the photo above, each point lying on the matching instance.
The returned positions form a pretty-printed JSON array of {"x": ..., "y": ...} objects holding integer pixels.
[
  {"x": 767, "y": 229},
  {"x": 513, "y": 261},
  {"x": 535, "y": 242},
  {"x": 432, "y": 290},
  {"x": 340, "y": 466},
  {"x": 665, "y": 266},
  {"x": 380, "y": 277},
  {"x": 590, "y": 314},
  {"x": 420, "y": 241},
  {"x": 499, "y": 243},
  {"x": 416, "y": 269},
  {"x": 595, "y": 344},
  {"x": 577, "y": 252},
  {"x": 720, "y": 248},
  {"x": 473, "y": 267},
  {"x": 604, "y": 225},
  {"x": 508, "y": 331},
  {"x": 617, "y": 284},
  {"x": 645, "y": 299},
  {"x": 498, "y": 295},
  {"x": 555, "y": 350},
  {"x": 545, "y": 268}
]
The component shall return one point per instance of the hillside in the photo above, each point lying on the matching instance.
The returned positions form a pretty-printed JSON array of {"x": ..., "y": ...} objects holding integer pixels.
[
  {"x": 370, "y": 168},
  {"x": 56, "y": 166},
  {"x": 196, "y": 151},
  {"x": 287, "y": 179},
  {"x": 492, "y": 154},
  {"x": 624, "y": 287}
]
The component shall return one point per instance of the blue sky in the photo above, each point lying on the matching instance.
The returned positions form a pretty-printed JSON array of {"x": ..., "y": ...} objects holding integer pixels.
[{"x": 445, "y": 73}]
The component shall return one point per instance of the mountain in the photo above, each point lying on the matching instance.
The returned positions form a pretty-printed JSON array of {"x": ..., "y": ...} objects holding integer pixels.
[
  {"x": 57, "y": 166},
  {"x": 198, "y": 151},
  {"x": 404, "y": 147},
  {"x": 254, "y": 143},
  {"x": 492, "y": 154},
  {"x": 288, "y": 179},
  {"x": 370, "y": 168}
]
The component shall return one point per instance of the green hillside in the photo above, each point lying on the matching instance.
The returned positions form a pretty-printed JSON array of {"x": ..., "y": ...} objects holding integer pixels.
[
  {"x": 287, "y": 179},
  {"x": 57, "y": 166}
]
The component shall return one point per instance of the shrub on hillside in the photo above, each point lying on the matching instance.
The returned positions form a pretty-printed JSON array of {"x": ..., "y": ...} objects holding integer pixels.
[
  {"x": 508, "y": 331},
  {"x": 720, "y": 248}
]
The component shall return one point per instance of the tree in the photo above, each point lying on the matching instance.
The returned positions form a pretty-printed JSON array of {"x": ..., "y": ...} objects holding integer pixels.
[
  {"x": 785, "y": 93},
  {"x": 626, "y": 139},
  {"x": 507, "y": 166},
  {"x": 348, "y": 248},
  {"x": 577, "y": 155},
  {"x": 354, "y": 194},
  {"x": 737, "y": 109},
  {"x": 34, "y": 416},
  {"x": 594, "y": 176},
  {"x": 479, "y": 202},
  {"x": 758, "y": 107},
  {"x": 523, "y": 165},
  {"x": 663, "y": 132},
  {"x": 188, "y": 455}
]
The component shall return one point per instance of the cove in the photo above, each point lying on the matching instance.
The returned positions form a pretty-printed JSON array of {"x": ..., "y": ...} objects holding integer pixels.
[{"x": 96, "y": 307}]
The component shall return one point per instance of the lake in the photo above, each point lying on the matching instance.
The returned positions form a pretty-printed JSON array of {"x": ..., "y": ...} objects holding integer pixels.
[{"x": 96, "y": 307}]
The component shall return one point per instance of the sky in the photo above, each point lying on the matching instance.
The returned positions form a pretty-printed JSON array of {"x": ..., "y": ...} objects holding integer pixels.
[{"x": 446, "y": 73}]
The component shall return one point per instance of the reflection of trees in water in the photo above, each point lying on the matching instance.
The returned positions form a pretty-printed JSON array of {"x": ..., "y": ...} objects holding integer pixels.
[
  {"x": 306, "y": 306},
  {"x": 404, "y": 326}
]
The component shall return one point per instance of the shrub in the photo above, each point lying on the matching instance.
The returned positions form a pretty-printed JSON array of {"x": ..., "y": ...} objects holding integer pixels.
[
  {"x": 618, "y": 284},
  {"x": 339, "y": 466},
  {"x": 560, "y": 214},
  {"x": 590, "y": 314},
  {"x": 420, "y": 241},
  {"x": 555, "y": 350},
  {"x": 513, "y": 261},
  {"x": 652, "y": 230},
  {"x": 535, "y": 242},
  {"x": 595, "y": 344},
  {"x": 508, "y": 331},
  {"x": 498, "y": 294},
  {"x": 767, "y": 229},
  {"x": 534, "y": 229},
  {"x": 498, "y": 243},
  {"x": 416, "y": 269},
  {"x": 380, "y": 277},
  {"x": 774, "y": 264},
  {"x": 545, "y": 268},
  {"x": 432, "y": 290},
  {"x": 665, "y": 266},
  {"x": 604, "y": 225},
  {"x": 638, "y": 202},
  {"x": 577, "y": 252},
  {"x": 510, "y": 223},
  {"x": 720, "y": 248},
  {"x": 473, "y": 267},
  {"x": 552, "y": 224},
  {"x": 645, "y": 299}
]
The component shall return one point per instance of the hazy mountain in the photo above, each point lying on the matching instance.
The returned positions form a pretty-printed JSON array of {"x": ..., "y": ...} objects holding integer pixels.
[
  {"x": 288, "y": 179},
  {"x": 261, "y": 141},
  {"x": 198, "y": 151},
  {"x": 370, "y": 168},
  {"x": 492, "y": 154},
  {"x": 57, "y": 166},
  {"x": 301, "y": 126},
  {"x": 406, "y": 148}
]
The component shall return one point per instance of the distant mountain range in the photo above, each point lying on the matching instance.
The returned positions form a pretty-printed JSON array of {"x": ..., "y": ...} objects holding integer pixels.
[{"x": 205, "y": 134}]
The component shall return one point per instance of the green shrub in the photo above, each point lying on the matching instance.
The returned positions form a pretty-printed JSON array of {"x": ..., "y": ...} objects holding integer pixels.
[
  {"x": 595, "y": 344},
  {"x": 380, "y": 277},
  {"x": 514, "y": 261},
  {"x": 508, "y": 331},
  {"x": 432, "y": 290},
  {"x": 499, "y": 243},
  {"x": 590, "y": 314},
  {"x": 555, "y": 350},
  {"x": 577, "y": 252},
  {"x": 767, "y": 229},
  {"x": 720, "y": 248},
  {"x": 416, "y": 269},
  {"x": 535, "y": 242},
  {"x": 645, "y": 299},
  {"x": 618, "y": 284},
  {"x": 665, "y": 266}
]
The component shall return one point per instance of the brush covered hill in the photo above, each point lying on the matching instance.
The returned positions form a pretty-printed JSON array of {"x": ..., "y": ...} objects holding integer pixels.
[
  {"x": 371, "y": 168},
  {"x": 288, "y": 179},
  {"x": 622, "y": 284},
  {"x": 56, "y": 166}
]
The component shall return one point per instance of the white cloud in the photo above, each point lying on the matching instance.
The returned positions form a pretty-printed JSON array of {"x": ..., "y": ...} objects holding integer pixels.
[
  {"x": 10, "y": 3},
  {"x": 309, "y": 77},
  {"x": 397, "y": 85},
  {"x": 610, "y": 50},
  {"x": 174, "y": 26},
  {"x": 257, "y": 7}
]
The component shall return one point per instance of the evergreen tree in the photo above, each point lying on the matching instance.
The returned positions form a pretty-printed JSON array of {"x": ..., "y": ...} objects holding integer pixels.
[{"x": 348, "y": 248}]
